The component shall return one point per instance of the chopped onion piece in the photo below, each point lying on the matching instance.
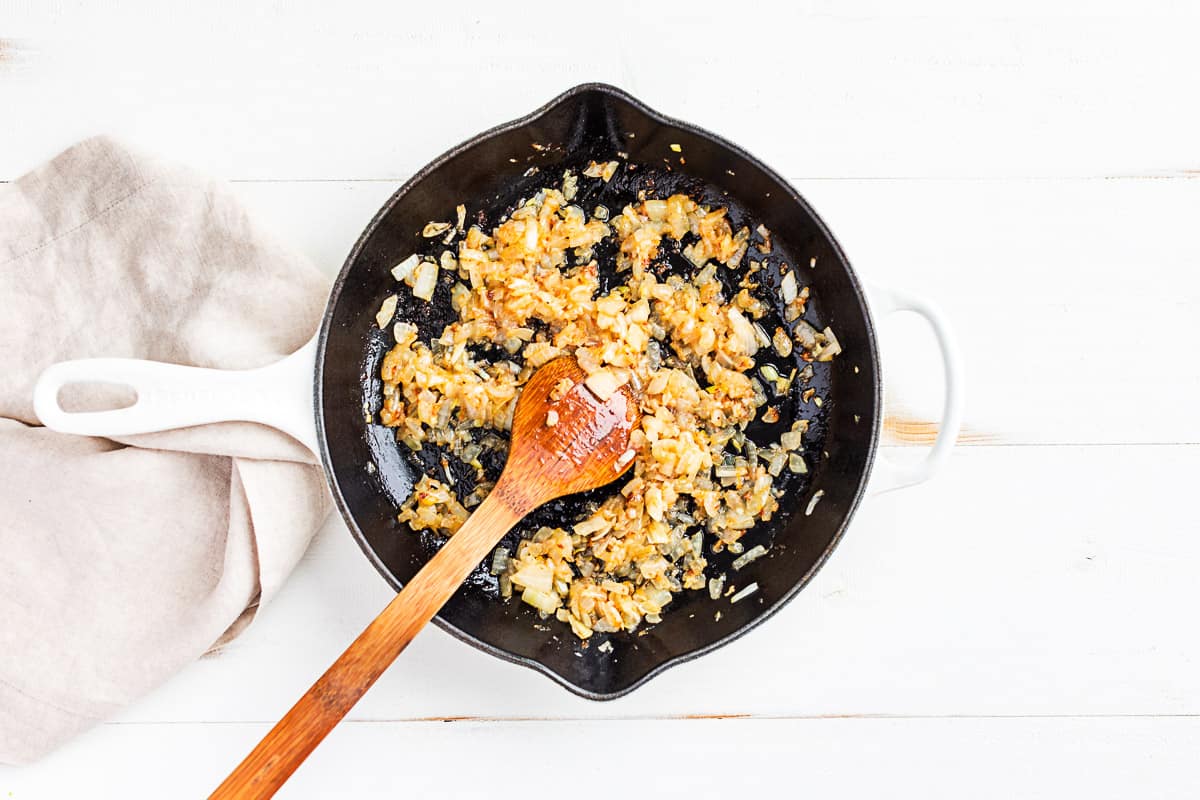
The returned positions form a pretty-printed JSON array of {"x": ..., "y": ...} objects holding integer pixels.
[
  {"x": 435, "y": 229},
  {"x": 743, "y": 330},
  {"x": 832, "y": 346},
  {"x": 459, "y": 294},
  {"x": 387, "y": 310},
  {"x": 604, "y": 383},
  {"x": 605, "y": 171},
  {"x": 499, "y": 560},
  {"x": 805, "y": 335},
  {"x": 539, "y": 577},
  {"x": 776, "y": 458},
  {"x": 716, "y": 586},
  {"x": 765, "y": 246},
  {"x": 592, "y": 524},
  {"x": 403, "y": 331},
  {"x": 470, "y": 453},
  {"x": 816, "y": 498},
  {"x": 656, "y": 506},
  {"x": 656, "y": 210},
  {"x": 754, "y": 553},
  {"x": 761, "y": 334},
  {"x": 425, "y": 280},
  {"x": 788, "y": 287},
  {"x": 405, "y": 268},
  {"x": 744, "y": 593},
  {"x": 782, "y": 342},
  {"x": 796, "y": 464},
  {"x": 547, "y": 602},
  {"x": 742, "y": 244}
]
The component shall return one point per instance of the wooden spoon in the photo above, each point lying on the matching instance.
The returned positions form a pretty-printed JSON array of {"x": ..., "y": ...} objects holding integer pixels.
[{"x": 559, "y": 446}]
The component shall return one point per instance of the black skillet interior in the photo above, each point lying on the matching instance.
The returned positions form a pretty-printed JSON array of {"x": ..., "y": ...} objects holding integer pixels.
[{"x": 370, "y": 472}]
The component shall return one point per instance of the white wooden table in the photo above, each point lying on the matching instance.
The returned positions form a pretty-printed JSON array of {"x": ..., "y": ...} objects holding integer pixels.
[{"x": 1023, "y": 626}]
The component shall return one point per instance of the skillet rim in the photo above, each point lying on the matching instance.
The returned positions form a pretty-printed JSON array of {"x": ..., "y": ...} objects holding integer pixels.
[{"x": 425, "y": 172}]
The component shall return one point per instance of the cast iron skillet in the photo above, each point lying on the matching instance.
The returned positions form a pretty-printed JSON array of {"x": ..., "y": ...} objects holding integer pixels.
[{"x": 369, "y": 475}]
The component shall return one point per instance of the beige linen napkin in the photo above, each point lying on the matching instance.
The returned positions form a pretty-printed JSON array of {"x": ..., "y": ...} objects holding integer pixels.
[{"x": 121, "y": 561}]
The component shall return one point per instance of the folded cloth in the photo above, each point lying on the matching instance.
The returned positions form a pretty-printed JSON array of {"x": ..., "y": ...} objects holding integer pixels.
[{"x": 121, "y": 560}]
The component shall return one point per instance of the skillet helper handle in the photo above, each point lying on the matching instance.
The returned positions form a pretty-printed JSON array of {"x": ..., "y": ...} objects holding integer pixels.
[
  {"x": 173, "y": 396},
  {"x": 887, "y": 475},
  {"x": 285, "y": 746}
]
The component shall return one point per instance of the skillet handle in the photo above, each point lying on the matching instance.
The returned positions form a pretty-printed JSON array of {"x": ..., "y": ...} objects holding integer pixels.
[
  {"x": 887, "y": 475},
  {"x": 174, "y": 396}
]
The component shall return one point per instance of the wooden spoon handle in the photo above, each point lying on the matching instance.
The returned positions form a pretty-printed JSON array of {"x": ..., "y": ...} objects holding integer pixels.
[{"x": 286, "y": 746}]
